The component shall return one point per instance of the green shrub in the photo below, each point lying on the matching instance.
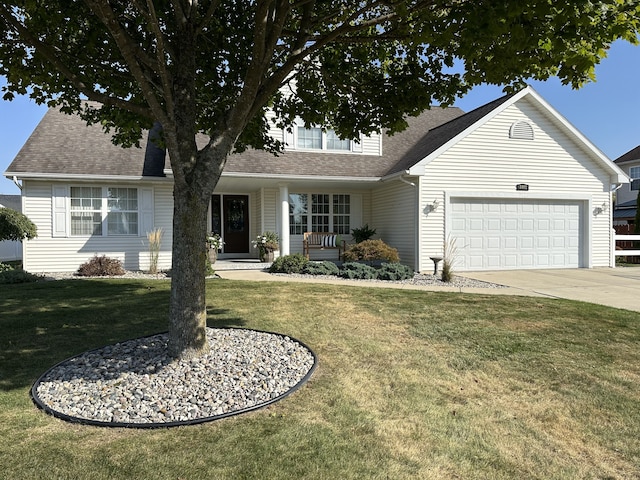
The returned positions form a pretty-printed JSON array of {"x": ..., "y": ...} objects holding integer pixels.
[
  {"x": 16, "y": 226},
  {"x": 5, "y": 267},
  {"x": 294, "y": 263},
  {"x": 371, "y": 250},
  {"x": 363, "y": 233},
  {"x": 395, "y": 271},
  {"x": 321, "y": 268},
  {"x": 358, "y": 271},
  {"x": 101, "y": 267},
  {"x": 18, "y": 276}
]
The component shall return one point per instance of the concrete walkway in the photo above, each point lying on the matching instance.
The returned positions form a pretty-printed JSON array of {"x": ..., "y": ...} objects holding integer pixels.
[{"x": 614, "y": 287}]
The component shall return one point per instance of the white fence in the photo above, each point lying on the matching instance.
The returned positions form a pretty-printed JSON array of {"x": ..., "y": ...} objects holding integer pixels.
[{"x": 625, "y": 238}]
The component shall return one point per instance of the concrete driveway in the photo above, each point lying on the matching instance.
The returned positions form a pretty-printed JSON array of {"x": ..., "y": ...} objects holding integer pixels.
[{"x": 615, "y": 287}]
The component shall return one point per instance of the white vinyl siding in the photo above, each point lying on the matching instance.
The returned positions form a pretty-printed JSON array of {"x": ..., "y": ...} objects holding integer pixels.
[
  {"x": 54, "y": 253},
  {"x": 394, "y": 217},
  {"x": 488, "y": 162}
]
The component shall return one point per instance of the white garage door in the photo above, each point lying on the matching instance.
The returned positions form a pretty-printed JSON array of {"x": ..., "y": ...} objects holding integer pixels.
[{"x": 503, "y": 234}]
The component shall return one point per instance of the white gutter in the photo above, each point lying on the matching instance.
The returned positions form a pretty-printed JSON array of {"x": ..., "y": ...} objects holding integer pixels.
[
  {"x": 282, "y": 177},
  {"x": 85, "y": 177}
]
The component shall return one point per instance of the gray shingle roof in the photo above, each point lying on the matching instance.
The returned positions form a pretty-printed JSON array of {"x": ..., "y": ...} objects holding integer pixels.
[
  {"x": 13, "y": 202},
  {"x": 63, "y": 144},
  {"x": 633, "y": 154}
]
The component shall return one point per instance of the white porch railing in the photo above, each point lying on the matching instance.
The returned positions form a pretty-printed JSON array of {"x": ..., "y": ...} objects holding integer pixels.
[{"x": 625, "y": 238}]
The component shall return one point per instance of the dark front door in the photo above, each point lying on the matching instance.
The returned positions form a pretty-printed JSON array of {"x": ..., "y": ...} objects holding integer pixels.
[{"x": 235, "y": 218}]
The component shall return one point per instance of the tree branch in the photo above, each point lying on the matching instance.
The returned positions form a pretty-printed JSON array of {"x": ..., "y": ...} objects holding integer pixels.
[
  {"x": 208, "y": 16},
  {"x": 127, "y": 49},
  {"x": 52, "y": 56}
]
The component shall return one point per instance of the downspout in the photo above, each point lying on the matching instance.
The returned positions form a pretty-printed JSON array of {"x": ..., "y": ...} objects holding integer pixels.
[
  {"x": 416, "y": 236},
  {"x": 15, "y": 180}
]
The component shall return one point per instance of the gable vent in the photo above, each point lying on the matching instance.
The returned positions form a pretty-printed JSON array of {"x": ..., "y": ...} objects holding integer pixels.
[{"x": 521, "y": 130}]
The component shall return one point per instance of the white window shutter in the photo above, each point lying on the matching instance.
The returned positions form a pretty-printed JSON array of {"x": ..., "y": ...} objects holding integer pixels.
[
  {"x": 146, "y": 211},
  {"x": 288, "y": 138},
  {"x": 59, "y": 214},
  {"x": 356, "y": 145}
]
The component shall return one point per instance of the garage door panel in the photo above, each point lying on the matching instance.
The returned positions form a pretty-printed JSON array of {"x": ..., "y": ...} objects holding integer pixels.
[{"x": 512, "y": 234}]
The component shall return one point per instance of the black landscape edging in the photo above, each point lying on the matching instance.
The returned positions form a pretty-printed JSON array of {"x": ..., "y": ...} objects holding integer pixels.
[{"x": 85, "y": 421}]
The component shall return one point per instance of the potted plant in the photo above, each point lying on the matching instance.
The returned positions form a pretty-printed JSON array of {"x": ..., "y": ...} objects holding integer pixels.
[
  {"x": 267, "y": 243},
  {"x": 214, "y": 245}
]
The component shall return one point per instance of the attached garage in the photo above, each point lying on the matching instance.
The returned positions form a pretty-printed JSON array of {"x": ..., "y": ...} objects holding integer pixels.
[{"x": 502, "y": 234}]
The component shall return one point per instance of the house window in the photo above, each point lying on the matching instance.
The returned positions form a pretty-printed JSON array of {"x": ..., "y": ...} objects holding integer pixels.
[
  {"x": 122, "y": 211},
  {"x": 103, "y": 211},
  {"x": 310, "y": 138},
  {"x": 320, "y": 213},
  {"x": 298, "y": 217},
  {"x": 316, "y": 139},
  {"x": 341, "y": 214},
  {"x": 86, "y": 211},
  {"x": 334, "y": 142},
  {"x": 328, "y": 213},
  {"x": 634, "y": 173}
]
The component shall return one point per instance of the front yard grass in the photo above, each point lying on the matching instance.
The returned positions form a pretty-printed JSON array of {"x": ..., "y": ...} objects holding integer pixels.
[{"x": 410, "y": 384}]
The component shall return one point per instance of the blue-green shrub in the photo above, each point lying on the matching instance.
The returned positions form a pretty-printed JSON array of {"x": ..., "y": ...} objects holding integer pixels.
[
  {"x": 321, "y": 268},
  {"x": 358, "y": 271},
  {"x": 395, "y": 271}
]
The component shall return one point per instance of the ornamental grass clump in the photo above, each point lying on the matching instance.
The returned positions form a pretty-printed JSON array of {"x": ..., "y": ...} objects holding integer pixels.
[
  {"x": 448, "y": 259},
  {"x": 155, "y": 239},
  {"x": 371, "y": 250}
]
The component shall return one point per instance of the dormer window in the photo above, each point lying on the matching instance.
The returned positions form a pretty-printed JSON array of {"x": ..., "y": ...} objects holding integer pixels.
[
  {"x": 310, "y": 138},
  {"x": 315, "y": 139}
]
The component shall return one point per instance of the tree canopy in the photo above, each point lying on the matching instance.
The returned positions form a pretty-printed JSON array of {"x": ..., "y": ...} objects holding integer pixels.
[{"x": 216, "y": 66}]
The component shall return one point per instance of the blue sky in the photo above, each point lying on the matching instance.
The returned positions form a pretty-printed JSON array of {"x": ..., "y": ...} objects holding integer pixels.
[{"x": 607, "y": 112}]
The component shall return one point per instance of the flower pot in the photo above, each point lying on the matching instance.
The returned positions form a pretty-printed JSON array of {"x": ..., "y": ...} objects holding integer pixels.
[
  {"x": 267, "y": 256},
  {"x": 213, "y": 255}
]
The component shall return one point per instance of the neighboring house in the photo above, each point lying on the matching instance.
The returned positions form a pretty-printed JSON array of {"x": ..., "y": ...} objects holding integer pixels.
[
  {"x": 627, "y": 195},
  {"x": 10, "y": 250},
  {"x": 512, "y": 182}
]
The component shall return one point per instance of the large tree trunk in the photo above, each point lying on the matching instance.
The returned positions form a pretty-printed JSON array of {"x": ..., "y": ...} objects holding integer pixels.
[{"x": 187, "y": 311}]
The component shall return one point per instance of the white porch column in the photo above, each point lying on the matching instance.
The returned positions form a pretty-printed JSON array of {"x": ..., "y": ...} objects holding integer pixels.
[{"x": 284, "y": 220}]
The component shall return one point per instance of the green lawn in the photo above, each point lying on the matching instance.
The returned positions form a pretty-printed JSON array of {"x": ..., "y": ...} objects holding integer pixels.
[{"x": 409, "y": 385}]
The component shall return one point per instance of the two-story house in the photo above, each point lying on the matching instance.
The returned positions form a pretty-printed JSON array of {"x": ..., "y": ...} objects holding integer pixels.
[{"x": 513, "y": 182}]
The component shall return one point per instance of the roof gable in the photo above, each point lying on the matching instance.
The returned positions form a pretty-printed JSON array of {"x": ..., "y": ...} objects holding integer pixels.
[{"x": 457, "y": 130}]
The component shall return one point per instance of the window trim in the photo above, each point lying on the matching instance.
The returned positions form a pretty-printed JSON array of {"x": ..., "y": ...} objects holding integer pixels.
[{"x": 105, "y": 211}]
